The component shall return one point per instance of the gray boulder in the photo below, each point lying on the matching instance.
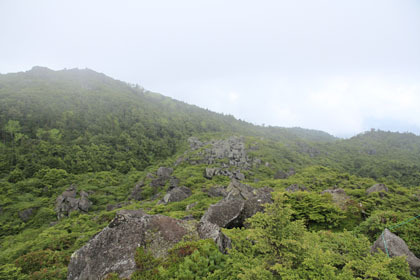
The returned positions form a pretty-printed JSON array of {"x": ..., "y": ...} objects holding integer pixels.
[
  {"x": 381, "y": 188},
  {"x": 397, "y": 247},
  {"x": 217, "y": 191},
  {"x": 173, "y": 183},
  {"x": 68, "y": 202},
  {"x": 241, "y": 202},
  {"x": 176, "y": 194},
  {"x": 210, "y": 172},
  {"x": 112, "y": 250},
  {"x": 164, "y": 172},
  {"x": 224, "y": 213}
]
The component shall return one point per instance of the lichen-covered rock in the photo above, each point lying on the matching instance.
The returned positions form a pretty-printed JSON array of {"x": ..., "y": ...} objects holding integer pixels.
[
  {"x": 207, "y": 230},
  {"x": 217, "y": 191},
  {"x": 381, "y": 188},
  {"x": 397, "y": 247},
  {"x": 164, "y": 172},
  {"x": 68, "y": 202},
  {"x": 210, "y": 172},
  {"x": 113, "y": 249},
  {"x": 238, "y": 190},
  {"x": 296, "y": 188},
  {"x": 224, "y": 213},
  {"x": 339, "y": 197},
  {"x": 176, "y": 194}
]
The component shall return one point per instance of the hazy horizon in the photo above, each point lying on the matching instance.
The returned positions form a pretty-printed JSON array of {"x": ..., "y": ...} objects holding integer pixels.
[{"x": 340, "y": 67}]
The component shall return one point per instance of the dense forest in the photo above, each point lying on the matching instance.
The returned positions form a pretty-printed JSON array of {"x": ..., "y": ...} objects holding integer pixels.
[{"x": 105, "y": 146}]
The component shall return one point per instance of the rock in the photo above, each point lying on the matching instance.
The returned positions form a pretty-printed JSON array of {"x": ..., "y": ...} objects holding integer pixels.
[
  {"x": 397, "y": 247},
  {"x": 381, "y": 188},
  {"x": 239, "y": 176},
  {"x": 207, "y": 230},
  {"x": 112, "y": 250},
  {"x": 238, "y": 190},
  {"x": 67, "y": 202},
  {"x": 176, "y": 194},
  {"x": 339, "y": 197},
  {"x": 158, "y": 182},
  {"x": 173, "y": 183},
  {"x": 190, "y": 206},
  {"x": 27, "y": 214},
  {"x": 241, "y": 202},
  {"x": 217, "y": 191},
  {"x": 255, "y": 205},
  {"x": 136, "y": 193},
  {"x": 291, "y": 172},
  {"x": 224, "y": 213},
  {"x": 296, "y": 188},
  {"x": 280, "y": 174},
  {"x": 210, "y": 172},
  {"x": 164, "y": 172}
]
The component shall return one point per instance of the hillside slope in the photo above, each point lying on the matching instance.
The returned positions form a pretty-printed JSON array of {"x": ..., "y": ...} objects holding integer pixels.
[{"x": 81, "y": 153}]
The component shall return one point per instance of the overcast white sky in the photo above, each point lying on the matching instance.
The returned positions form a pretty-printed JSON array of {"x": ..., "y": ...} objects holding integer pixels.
[{"x": 339, "y": 66}]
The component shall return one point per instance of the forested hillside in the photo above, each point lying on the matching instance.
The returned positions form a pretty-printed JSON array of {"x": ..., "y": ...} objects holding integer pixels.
[{"x": 81, "y": 153}]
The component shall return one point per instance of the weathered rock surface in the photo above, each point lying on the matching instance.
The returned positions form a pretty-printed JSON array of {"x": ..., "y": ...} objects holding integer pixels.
[
  {"x": 296, "y": 188},
  {"x": 176, "y": 194},
  {"x": 397, "y": 247},
  {"x": 217, "y": 191},
  {"x": 339, "y": 197},
  {"x": 241, "y": 202},
  {"x": 164, "y": 172},
  {"x": 67, "y": 202},
  {"x": 210, "y": 172},
  {"x": 381, "y": 188},
  {"x": 27, "y": 214},
  {"x": 112, "y": 250}
]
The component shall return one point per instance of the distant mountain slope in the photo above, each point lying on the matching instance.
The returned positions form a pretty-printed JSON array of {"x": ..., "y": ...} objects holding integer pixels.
[{"x": 81, "y": 120}]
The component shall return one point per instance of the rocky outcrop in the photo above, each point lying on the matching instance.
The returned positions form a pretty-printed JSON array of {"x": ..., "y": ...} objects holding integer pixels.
[
  {"x": 210, "y": 172},
  {"x": 27, "y": 214},
  {"x": 241, "y": 202},
  {"x": 339, "y": 197},
  {"x": 397, "y": 247},
  {"x": 176, "y": 194},
  {"x": 113, "y": 249},
  {"x": 296, "y": 188},
  {"x": 381, "y": 188},
  {"x": 68, "y": 202}
]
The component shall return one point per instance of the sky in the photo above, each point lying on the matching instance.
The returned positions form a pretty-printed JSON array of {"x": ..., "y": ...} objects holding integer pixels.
[{"x": 343, "y": 67}]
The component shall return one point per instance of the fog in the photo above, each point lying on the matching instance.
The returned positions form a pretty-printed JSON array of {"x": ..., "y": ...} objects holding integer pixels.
[{"x": 338, "y": 66}]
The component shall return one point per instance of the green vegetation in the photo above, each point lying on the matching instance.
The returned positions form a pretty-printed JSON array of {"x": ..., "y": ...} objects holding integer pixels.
[{"x": 81, "y": 127}]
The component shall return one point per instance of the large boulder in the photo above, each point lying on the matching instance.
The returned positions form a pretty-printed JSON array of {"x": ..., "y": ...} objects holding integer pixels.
[
  {"x": 381, "y": 188},
  {"x": 164, "y": 172},
  {"x": 210, "y": 172},
  {"x": 397, "y": 247},
  {"x": 176, "y": 194},
  {"x": 241, "y": 202},
  {"x": 217, "y": 191},
  {"x": 68, "y": 202},
  {"x": 112, "y": 250}
]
